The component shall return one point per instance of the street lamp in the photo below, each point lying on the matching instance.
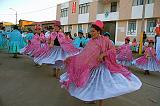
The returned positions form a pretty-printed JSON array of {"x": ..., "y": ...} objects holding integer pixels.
[{"x": 15, "y": 14}]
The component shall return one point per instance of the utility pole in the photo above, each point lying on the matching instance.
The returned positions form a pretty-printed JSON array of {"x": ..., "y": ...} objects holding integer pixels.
[
  {"x": 16, "y": 17},
  {"x": 142, "y": 27},
  {"x": 15, "y": 14}
]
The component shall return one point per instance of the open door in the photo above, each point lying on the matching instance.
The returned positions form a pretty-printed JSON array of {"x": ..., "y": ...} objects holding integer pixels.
[{"x": 110, "y": 26}]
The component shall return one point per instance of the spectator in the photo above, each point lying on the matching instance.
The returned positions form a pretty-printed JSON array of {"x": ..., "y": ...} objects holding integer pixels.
[
  {"x": 134, "y": 45},
  {"x": 107, "y": 34}
]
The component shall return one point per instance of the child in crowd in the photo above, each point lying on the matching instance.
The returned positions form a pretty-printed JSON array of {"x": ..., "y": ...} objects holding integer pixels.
[{"x": 148, "y": 62}]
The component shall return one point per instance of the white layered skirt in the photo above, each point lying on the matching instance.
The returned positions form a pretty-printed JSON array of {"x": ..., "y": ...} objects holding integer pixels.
[
  {"x": 102, "y": 85},
  {"x": 22, "y": 51},
  {"x": 125, "y": 63},
  {"x": 151, "y": 65},
  {"x": 55, "y": 56},
  {"x": 158, "y": 54}
]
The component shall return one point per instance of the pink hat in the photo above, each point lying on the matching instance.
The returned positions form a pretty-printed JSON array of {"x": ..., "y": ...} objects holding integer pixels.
[
  {"x": 37, "y": 27},
  {"x": 57, "y": 23},
  {"x": 127, "y": 38},
  {"x": 99, "y": 24},
  {"x": 151, "y": 41}
]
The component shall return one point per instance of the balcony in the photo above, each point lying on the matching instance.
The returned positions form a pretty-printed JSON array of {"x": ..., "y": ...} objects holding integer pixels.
[
  {"x": 137, "y": 11},
  {"x": 149, "y": 10},
  {"x": 109, "y": 0},
  {"x": 84, "y": 1},
  {"x": 83, "y": 18},
  {"x": 64, "y": 20},
  {"x": 105, "y": 1},
  {"x": 108, "y": 16}
]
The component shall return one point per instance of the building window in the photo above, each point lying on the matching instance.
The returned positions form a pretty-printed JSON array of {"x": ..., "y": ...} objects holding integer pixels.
[
  {"x": 137, "y": 2},
  {"x": 70, "y": 28},
  {"x": 89, "y": 28},
  {"x": 79, "y": 27},
  {"x": 151, "y": 24},
  {"x": 113, "y": 6},
  {"x": 149, "y": 1},
  {"x": 140, "y": 2},
  {"x": 83, "y": 8},
  {"x": 64, "y": 12},
  {"x": 62, "y": 28},
  {"x": 131, "y": 27}
]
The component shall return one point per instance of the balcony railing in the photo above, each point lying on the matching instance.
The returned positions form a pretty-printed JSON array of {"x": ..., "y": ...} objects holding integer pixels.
[{"x": 110, "y": 16}]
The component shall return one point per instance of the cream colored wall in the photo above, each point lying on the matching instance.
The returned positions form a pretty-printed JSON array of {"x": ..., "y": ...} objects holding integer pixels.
[
  {"x": 58, "y": 13},
  {"x": 121, "y": 31},
  {"x": 73, "y": 17},
  {"x": 118, "y": 6},
  {"x": 156, "y": 11},
  {"x": 122, "y": 28},
  {"x": 125, "y": 9},
  {"x": 100, "y": 7},
  {"x": 93, "y": 11},
  {"x": 85, "y": 27},
  {"x": 65, "y": 28},
  {"x": 139, "y": 22},
  {"x": 97, "y": 7},
  {"x": 74, "y": 29}
]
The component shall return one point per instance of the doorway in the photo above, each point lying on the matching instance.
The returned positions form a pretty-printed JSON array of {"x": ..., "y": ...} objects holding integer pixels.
[{"x": 110, "y": 26}]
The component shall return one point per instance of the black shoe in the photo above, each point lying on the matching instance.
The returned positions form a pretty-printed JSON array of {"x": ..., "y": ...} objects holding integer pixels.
[
  {"x": 148, "y": 72},
  {"x": 15, "y": 56},
  {"x": 145, "y": 72},
  {"x": 37, "y": 65},
  {"x": 90, "y": 102}
]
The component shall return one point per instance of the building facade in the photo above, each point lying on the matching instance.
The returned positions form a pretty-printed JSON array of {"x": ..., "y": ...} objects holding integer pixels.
[
  {"x": 7, "y": 25},
  {"x": 24, "y": 24},
  {"x": 121, "y": 17}
]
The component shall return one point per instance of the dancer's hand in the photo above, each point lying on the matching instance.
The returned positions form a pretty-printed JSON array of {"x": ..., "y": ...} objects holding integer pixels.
[
  {"x": 101, "y": 57},
  {"x": 29, "y": 42},
  {"x": 51, "y": 46},
  {"x": 67, "y": 60}
]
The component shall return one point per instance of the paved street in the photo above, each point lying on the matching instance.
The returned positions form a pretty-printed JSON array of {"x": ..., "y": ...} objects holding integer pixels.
[{"x": 23, "y": 84}]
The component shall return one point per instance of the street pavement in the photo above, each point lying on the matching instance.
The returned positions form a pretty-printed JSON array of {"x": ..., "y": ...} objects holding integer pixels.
[{"x": 24, "y": 84}]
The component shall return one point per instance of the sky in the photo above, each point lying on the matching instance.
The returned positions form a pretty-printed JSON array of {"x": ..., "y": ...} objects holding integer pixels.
[{"x": 33, "y": 10}]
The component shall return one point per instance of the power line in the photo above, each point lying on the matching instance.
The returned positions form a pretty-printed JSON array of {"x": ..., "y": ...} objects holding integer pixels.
[
  {"x": 7, "y": 14},
  {"x": 32, "y": 11},
  {"x": 37, "y": 10}
]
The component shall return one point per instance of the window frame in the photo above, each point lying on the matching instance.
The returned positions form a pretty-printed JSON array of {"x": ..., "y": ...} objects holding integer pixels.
[
  {"x": 137, "y": 2},
  {"x": 70, "y": 28},
  {"x": 149, "y": 1},
  {"x": 113, "y": 7},
  {"x": 84, "y": 8},
  {"x": 131, "y": 31},
  {"x": 152, "y": 24},
  {"x": 79, "y": 27},
  {"x": 64, "y": 12},
  {"x": 89, "y": 27}
]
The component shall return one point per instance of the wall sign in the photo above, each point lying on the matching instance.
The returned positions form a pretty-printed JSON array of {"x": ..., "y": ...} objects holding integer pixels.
[{"x": 74, "y": 7}]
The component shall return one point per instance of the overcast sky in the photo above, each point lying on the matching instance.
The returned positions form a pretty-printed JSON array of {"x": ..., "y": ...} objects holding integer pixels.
[{"x": 34, "y": 10}]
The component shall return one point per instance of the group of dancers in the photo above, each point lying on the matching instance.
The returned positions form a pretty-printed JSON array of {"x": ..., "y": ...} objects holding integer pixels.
[
  {"x": 148, "y": 62},
  {"x": 94, "y": 69}
]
